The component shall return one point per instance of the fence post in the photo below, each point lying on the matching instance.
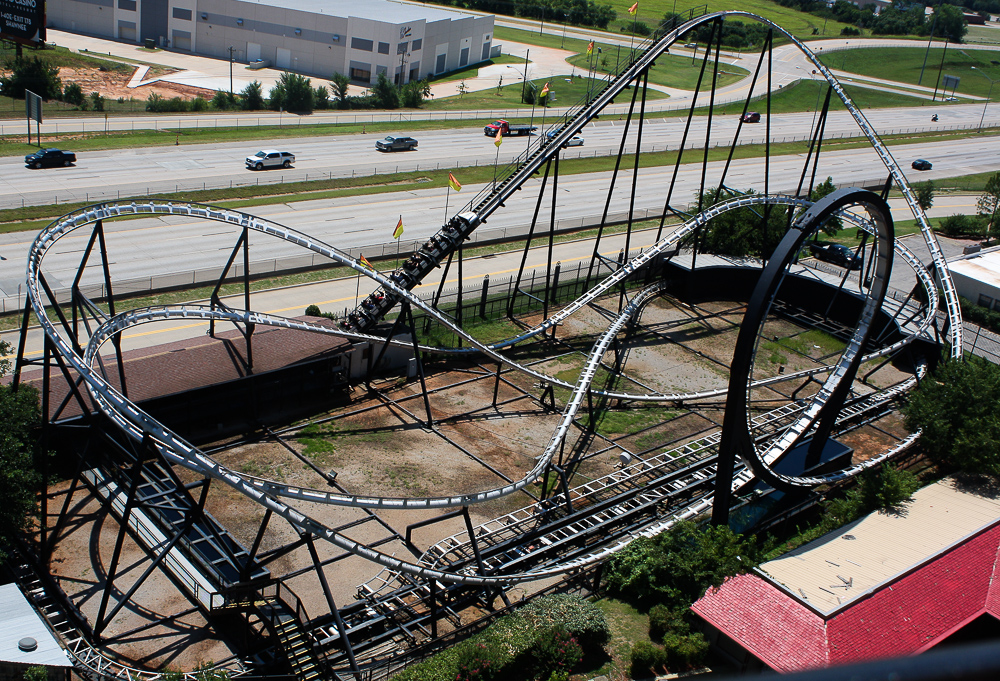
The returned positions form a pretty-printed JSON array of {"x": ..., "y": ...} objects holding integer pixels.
[{"x": 482, "y": 298}]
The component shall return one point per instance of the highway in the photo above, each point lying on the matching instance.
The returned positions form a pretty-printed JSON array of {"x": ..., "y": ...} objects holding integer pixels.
[
  {"x": 110, "y": 175},
  {"x": 144, "y": 248}
]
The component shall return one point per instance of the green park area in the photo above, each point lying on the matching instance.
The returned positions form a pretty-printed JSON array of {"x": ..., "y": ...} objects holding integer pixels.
[{"x": 974, "y": 68}]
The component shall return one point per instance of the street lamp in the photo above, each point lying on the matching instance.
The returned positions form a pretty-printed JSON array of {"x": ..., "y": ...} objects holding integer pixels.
[
  {"x": 524, "y": 77},
  {"x": 565, "y": 21},
  {"x": 983, "y": 117}
]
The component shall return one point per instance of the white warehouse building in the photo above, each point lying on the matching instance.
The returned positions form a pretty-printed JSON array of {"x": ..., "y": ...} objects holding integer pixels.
[{"x": 360, "y": 38}]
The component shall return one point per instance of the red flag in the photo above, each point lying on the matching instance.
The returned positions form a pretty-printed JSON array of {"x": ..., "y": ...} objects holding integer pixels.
[
  {"x": 590, "y": 47},
  {"x": 453, "y": 183},
  {"x": 398, "y": 232},
  {"x": 498, "y": 139},
  {"x": 633, "y": 9},
  {"x": 364, "y": 261}
]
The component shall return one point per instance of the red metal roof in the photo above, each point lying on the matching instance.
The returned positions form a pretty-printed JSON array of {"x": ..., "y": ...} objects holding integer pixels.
[{"x": 902, "y": 617}]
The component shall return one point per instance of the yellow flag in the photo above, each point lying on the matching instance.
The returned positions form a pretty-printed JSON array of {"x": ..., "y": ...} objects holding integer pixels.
[
  {"x": 499, "y": 137},
  {"x": 398, "y": 232},
  {"x": 453, "y": 183},
  {"x": 545, "y": 90},
  {"x": 590, "y": 48},
  {"x": 364, "y": 261},
  {"x": 633, "y": 9}
]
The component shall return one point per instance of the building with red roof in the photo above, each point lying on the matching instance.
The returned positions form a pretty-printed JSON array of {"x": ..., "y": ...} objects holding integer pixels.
[{"x": 887, "y": 585}]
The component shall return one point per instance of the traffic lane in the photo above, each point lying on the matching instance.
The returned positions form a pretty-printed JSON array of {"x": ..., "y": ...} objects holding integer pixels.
[
  {"x": 141, "y": 248},
  {"x": 104, "y": 175}
]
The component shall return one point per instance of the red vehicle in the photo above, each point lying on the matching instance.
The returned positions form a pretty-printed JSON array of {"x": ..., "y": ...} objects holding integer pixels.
[{"x": 506, "y": 128}]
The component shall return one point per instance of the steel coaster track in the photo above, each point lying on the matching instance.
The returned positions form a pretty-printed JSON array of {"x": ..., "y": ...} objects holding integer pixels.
[
  {"x": 133, "y": 420},
  {"x": 492, "y": 198}
]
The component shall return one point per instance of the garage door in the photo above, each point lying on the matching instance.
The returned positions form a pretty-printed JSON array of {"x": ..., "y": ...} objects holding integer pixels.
[
  {"x": 283, "y": 59},
  {"x": 181, "y": 40}
]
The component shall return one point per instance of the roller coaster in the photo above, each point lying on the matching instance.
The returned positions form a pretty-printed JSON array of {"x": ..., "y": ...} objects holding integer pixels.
[{"x": 569, "y": 527}]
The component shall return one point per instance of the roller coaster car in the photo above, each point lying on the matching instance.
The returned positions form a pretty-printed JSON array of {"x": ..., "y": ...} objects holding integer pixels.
[{"x": 367, "y": 304}]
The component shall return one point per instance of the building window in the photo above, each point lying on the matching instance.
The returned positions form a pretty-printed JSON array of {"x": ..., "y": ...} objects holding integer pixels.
[
  {"x": 417, "y": 44},
  {"x": 439, "y": 67},
  {"x": 129, "y": 5},
  {"x": 179, "y": 13},
  {"x": 383, "y": 48},
  {"x": 985, "y": 301},
  {"x": 362, "y": 44},
  {"x": 401, "y": 48},
  {"x": 361, "y": 75}
]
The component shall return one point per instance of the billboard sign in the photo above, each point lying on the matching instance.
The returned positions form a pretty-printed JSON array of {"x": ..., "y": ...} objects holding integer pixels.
[{"x": 23, "y": 21}]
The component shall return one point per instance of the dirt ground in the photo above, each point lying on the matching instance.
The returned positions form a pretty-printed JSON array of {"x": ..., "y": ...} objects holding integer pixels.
[
  {"x": 114, "y": 85},
  {"x": 380, "y": 447}
]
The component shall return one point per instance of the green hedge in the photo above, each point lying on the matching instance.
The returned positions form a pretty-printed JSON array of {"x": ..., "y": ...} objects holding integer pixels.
[
  {"x": 517, "y": 645},
  {"x": 982, "y": 316}
]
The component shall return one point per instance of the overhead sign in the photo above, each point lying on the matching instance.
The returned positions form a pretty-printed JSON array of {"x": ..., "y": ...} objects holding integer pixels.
[{"x": 23, "y": 21}]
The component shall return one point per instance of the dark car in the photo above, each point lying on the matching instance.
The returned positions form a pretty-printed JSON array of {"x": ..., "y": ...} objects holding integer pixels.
[
  {"x": 574, "y": 141},
  {"x": 48, "y": 158},
  {"x": 921, "y": 164},
  {"x": 750, "y": 117},
  {"x": 391, "y": 143},
  {"x": 838, "y": 254}
]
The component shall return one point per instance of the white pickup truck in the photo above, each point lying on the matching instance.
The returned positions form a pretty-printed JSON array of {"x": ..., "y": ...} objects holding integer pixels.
[{"x": 269, "y": 158}]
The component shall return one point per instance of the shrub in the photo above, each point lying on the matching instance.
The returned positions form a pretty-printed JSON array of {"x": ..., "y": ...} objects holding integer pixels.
[
  {"x": 199, "y": 104},
  {"x": 36, "y": 673},
  {"x": 636, "y": 27},
  {"x": 555, "y": 651},
  {"x": 321, "y": 97},
  {"x": 963, "y": 225},
  {"x": 849, "y": 30},
  {"x": 73, "y": 94},
  {"x": 31, "y": 74},
  {"x": 96, "y": 101},
  {"x": 582, "y": 619},
  {"x": 313, "y": 311},
  {"x": 477, "y": 662},
  {"x": 252, "y": 97},
  {"x": 645, "y": 659},
  {"x": 664, "y": 621},
  {"x": 683, "y": 651},
  {"x": 224, "y": 101}
]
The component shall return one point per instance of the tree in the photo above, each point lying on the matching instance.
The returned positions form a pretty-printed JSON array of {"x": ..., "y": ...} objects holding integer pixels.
[
  {"x": 925, "y": 194},
  {"x": 36, "y": 673},
  {"x": 73, "y": 94},
  {"x": 19, "y": 416},
  {"x": 385, "y": 93},
  {"x": 31, "y": 74},
  {"x": 742, "y": 232},
  {"x": 321, "y": 97},
  {"x": 252, "y": 97},
  {"x": 292, "y": 92},
  {"x": 833, "y": 225},
  {"x": 989, "y": 202},
  {"x": 340, "y": 83},
  {"x": 951, "y": 23},
  {"x": 415, "y": 92},
  {"x": 958, "y": 410},
  {"x": 224, "y": 101},
  {"x": 96, "y": 101},
  {"x": 676, "y": 567}
]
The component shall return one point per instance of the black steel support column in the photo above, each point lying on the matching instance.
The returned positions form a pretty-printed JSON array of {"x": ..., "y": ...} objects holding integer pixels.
[{"x": 341, "y": 629}]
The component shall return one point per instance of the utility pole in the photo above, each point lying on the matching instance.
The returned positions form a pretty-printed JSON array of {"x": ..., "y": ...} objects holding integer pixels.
[{"x": 231, "y": 48}]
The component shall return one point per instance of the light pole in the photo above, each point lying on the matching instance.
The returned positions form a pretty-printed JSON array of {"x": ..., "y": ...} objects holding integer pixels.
[
  {"x": 231, "y": 48},
  {"x": 565, "y": 20},
  {"x": 524, "y": 77},
  {"x": 983, "y": 117}
]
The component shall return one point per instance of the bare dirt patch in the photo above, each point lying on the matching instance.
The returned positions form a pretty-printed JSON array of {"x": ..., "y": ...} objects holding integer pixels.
[{"x": 114, "y": 85}]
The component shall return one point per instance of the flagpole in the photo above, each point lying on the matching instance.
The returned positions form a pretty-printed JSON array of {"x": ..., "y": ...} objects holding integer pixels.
[
  {"x": 398, "y": 238},
  {"x": 446, "y": 196}
]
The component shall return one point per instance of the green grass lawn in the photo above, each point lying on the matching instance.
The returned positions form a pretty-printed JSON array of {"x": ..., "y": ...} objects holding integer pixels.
[
  {"x": 566, "y": 92},
  {"x": 983, "y": 35},
  {"x": 808, "y": 95},
  {"x": 473, "y": 71},
  {"x": 903, "y": 64}
]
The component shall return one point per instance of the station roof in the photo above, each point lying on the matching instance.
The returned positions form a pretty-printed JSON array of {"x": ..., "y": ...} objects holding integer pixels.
[
  {"x": 904, "y": 583},
  {"x": 983, "y": 266},
  {"x": 375, "y": 10},
  {"x": 20, "y": 621}
]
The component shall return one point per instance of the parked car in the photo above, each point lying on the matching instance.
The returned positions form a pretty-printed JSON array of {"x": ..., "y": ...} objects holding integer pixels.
[
  {"x": 574, "y": 141},
  {"x": 49, "y": 158},
  {"x": 838, "y": 254},
  {"x": 922, "y": 164},
  {"x": 750, "y": 117},
  {"x": 270, "y": 158},
  {"x": 392, "y": 143}
]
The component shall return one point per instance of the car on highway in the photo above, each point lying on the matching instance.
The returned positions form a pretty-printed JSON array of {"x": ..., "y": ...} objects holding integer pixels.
[
  {"x": 838, "y": 254},
  {"x": 396, "y": 143},
  {"x": 750, "y": 117},
  {"x": 270, "y": 158},
  {"x": 922, "y": 164},
  {"x": 49, "y": 158},
  {"x": 574, "y": 141}
]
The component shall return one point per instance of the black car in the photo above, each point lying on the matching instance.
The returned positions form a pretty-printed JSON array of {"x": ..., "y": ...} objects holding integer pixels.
[
  {"x": 49, "y": 157},
  {"x": 391, "y": 143},
  {"x": 838, "y": 254},
  {"x": 921, "y": 164}
]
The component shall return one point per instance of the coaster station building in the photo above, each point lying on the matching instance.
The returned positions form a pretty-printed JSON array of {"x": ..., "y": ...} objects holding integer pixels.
[{"x": 313, "y": 37}]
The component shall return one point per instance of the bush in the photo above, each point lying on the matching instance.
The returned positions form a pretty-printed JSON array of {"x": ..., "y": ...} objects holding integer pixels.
[
  {"x": 31, "y": 74},
  {"x": 321, "y": 97},
  {"x": 73, "y": 94},
  {"x": 96, "y": 101},
  {"x": 477, "y": 662},
  {"x": 645, "y": 659},
  {"x": 199, "y": 104},
  {"x": 636, "y": 27},
  {"x": 664, "y": 621},
  {"x": 292, "y": 92},
  {"x": 683, "y": 651},
  {"x": 849, "y": 30},
  {"x": 252, "y": 97},
  {"x": 313, "y": 311},
  {"x": 158, "y": 104},
  {"x": 977, "y": 314},
  {"x": 555, "y": 652},
  {"x": 224, "y": 101},
  {"x": 36, "y": 673},
  {"x": 963, "y": 225},
  {"x": 581, "y": 618}
]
